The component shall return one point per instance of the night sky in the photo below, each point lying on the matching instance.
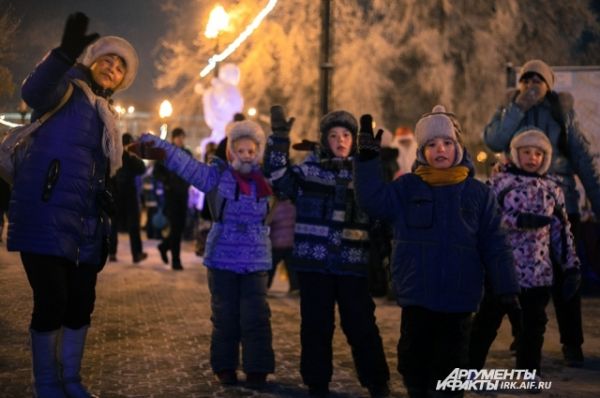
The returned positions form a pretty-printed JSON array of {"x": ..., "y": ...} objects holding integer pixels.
[{"x": 139, "y": 21}]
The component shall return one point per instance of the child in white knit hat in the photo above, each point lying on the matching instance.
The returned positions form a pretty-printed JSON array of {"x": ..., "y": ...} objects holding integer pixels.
[
  {"x": 533, "y": 212},
  {"x": 447, "y": 237},
  {"x": 238, "y": 249}
]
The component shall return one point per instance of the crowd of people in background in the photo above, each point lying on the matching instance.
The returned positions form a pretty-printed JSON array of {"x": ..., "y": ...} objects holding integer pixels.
[{"x": 364, "y": 214}]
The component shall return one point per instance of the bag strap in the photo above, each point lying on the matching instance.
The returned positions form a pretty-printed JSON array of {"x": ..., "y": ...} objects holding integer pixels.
[{"x": 62, "y": 102}]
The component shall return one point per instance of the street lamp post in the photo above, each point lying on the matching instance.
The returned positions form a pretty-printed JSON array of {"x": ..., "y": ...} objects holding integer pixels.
[
  {"x": 218, "y": 21},
  {"x": 164, "y": 111}
]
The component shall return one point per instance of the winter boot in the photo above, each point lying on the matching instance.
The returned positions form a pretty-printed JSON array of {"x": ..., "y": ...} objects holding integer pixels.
[
  {"x": 46, "y": 383},
  {"x": 71, "y": 353}
]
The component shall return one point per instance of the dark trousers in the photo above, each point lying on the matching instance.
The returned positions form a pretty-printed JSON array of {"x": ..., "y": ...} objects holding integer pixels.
[
  {"x": 431, "y": 345},
  {"x": 568, "y": 313},
  {"x": 530, "y": 337},
  {"x": 63, "y": 292},
  {"x": 318, "y": 295},
  {"x": 176, "y": 213},
  {"x": 284, "y": 255},
  {"x": 240, "y": 314},
  {"x": 130, "y": 215},
  {"x": 529, "y": 349}
]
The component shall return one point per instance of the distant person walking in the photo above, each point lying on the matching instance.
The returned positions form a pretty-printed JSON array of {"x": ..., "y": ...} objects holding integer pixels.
[
  {"x": 176, "y": 202},
  {"x": 127, "y": 200}
]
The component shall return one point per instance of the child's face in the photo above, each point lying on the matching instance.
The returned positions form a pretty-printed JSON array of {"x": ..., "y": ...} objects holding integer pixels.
[
  {"x": 530, "y": 158},
  {"x": 340, "y": 141},
  {"x": 245, "y": 150},
  {"x": 440, "y": 153}
]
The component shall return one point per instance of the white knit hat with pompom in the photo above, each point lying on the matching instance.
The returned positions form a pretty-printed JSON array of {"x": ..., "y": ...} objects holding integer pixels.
[{"x": 438, "y": 124}]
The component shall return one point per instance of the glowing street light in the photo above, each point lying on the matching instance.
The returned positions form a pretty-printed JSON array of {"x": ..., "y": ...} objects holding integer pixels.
[
  {"x": 482, "y": 156},
  {"x": 218, "y": 21},
  {"x": 164, "y": 111}
]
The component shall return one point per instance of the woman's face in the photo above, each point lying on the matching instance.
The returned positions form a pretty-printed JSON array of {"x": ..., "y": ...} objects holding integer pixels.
[
  {"x": 535, "y": 84},
  {"x": 340, "y": 141},
  {"x": 108, "y": 71},
  {"x": 440, "y": 153}
]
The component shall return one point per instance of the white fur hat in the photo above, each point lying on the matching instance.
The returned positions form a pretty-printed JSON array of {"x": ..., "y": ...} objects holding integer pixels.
[
  {"x": 118, "y": 46},
  {"x": 531, "y": 136},
  {"x": 246, "y": 129},
  {"x": 438, "y": 124}
]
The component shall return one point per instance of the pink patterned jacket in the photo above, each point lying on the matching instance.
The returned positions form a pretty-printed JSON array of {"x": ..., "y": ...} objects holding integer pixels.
[{"x": 535, "y": 249}]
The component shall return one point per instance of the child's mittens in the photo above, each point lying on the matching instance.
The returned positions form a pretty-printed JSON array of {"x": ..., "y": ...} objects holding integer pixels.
[
  {"x": 369, "y": 145},
  {"x": 146, "y": 148},
  {"x": 280, "y": 126},
  {"x": 532, "y": 221},
  {"x": 571, "y": 283}
]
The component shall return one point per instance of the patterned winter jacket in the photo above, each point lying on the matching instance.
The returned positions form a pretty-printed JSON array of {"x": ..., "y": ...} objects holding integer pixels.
[
  {"x": 238, "y": 240},
  {"x": 447, "y": 239},
  {"x": 574, "y": 159},
  {"x": 55, "y": 204},
  {"x": 534, "y": 250},
  {"x": 331, "y": 233}
]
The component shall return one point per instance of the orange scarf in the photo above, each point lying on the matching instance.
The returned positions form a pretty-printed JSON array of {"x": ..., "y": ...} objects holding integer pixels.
[{"x": 440, "y": 177}]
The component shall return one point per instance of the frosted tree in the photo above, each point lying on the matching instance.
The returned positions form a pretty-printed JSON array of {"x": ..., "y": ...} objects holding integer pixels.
[
  {"x": 392, "y": 59},
  {"x": 8, "y": 27}
]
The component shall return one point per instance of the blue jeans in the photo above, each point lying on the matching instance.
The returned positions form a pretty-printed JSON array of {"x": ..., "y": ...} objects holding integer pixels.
[{"x": 240, "y": 314}]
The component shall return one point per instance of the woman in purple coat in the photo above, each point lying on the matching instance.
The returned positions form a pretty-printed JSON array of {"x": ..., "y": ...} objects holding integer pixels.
[{"x": 58, "y": 210}]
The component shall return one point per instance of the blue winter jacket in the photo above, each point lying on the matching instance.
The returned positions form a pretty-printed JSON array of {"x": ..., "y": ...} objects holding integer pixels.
[
  {"x": 574, "y": 159},
  {"x": 238, "y": 240},
  {"x": 331, "y": 234},
  {"x": 54, "y": 208},
  {"x": 446, "y": 239}
]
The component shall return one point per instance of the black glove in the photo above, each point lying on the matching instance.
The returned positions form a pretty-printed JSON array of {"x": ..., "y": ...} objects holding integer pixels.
[
  {"x": 279, "y": 125},
  {"x": 571, "y": 283},
  {"x": 74, "y": 39},
  {"x": 369, "y": 145},
  {"x": 146, "y": 150},
  {"x": 510, "y": 302},
  {"x": 532, "y": 221}
]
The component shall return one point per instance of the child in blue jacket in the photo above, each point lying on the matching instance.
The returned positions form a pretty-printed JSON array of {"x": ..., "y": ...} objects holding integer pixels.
[
  {"x": 447, "y": 238},
  {"x": 238, "y": 249}
]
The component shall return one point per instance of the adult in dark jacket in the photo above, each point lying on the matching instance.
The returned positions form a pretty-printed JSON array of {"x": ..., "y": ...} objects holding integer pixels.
[
  {"x": 536, "y": 104},
  {"x": 176, "y": 202},
  {"x": 447, "y": 238},
  {"x": 127, "y": 200},
  {"x": 56, "y": 212}
]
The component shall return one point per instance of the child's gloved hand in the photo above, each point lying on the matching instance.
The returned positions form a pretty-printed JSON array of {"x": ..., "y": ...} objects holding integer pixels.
[
  {"x": 369, "y": 145},
  {"x": 279, "y": 125},
  {"x": 532, "y": 221},
  {"x": 528, "y": 98},
  {"x": 146, "y": 150},
  {"x": 571, "y": 283},
  {"x": 74, "y": 39}
]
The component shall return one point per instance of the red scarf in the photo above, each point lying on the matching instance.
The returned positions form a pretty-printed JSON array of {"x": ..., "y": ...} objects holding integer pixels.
[{"x": 262, "y": 186}]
